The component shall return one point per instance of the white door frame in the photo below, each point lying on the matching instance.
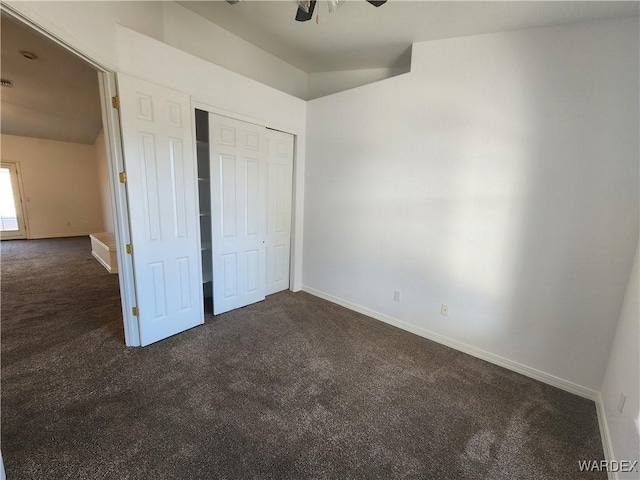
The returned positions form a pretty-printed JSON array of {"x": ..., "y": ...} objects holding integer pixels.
[
  {"x": 294, "y": 203},
  {"x": 20, "y": 207},
  {"x": 119, "y": 207},
  {"x": 115, "y": 165}
]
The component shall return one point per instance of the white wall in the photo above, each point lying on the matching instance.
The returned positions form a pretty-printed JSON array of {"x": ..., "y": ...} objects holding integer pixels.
[
  {"x": 192, "y": 33},
  {"x": 102, "y": 170},
  {"x": 228, "y": 93},
  {"x": 326, "y": 83},
  {"x": 500, "y": 177},
  {"x": 623, "y": 377},
  {"x": 60, "y": 185}
]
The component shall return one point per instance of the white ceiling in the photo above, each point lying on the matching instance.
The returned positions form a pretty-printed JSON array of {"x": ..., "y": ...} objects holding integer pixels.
[
  {"x": 55, "y": 97},
  {"x": 358, "y": 35}
]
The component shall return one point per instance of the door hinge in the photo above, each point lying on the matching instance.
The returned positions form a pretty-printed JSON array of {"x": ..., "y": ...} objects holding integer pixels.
[
  {"x": 135, "y": 311},
  {"x": 123, "y": 177},
  {"x": 115, "y": 102},
  {"x": 129, "y": 248}
]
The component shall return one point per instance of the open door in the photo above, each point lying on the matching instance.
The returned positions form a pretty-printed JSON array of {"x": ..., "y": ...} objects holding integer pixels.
[{"x": 161, "y": 181}]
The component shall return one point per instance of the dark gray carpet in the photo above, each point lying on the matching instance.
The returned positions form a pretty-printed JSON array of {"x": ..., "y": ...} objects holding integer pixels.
[{"x": 293, "y": 387}]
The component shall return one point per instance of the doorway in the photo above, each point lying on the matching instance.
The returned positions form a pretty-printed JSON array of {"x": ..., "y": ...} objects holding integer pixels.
[
  {"x": 64, "y": 158},
  {"x": 12, "y": 222},
  {"x": 245, "y": 187}
]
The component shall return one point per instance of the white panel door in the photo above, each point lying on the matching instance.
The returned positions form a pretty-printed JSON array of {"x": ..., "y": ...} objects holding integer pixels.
[
  {"x": 238, "y": 213},
  {"x": 163, "y": 207},
  {"x": 279, "y": 192}
]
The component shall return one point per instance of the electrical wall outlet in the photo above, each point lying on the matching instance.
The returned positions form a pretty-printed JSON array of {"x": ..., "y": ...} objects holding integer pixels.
[
  {"x": 444, "y": 310},
  {"x": 623, "y": 398},
  {"x": 396, "y": 295}
]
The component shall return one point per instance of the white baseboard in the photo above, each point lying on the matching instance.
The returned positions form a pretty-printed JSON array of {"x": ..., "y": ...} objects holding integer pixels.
[
  {"x": 58, "y": 235},
  {"x": 607, "y": 446},
  {"x": 463, "y": 347},
  {"x": 102, "y": 262}
]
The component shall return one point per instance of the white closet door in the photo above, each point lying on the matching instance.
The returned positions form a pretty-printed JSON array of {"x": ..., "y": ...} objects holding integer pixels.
[
  {"x": 279, "y": 193},
  {"x": 238, "y": 214},
  {"x": 162, "y": 193}
]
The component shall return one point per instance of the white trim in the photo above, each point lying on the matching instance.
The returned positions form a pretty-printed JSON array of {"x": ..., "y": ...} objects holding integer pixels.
[
  {"x": 295, "y": 206},
  {"x": 102, "y": 262},
  {"x": 607, "y": 446},
  {"x": 23, "y": 206},
  {"x": 462, "y": 347},
  {"x": 196, "y": 186},
  {"x": 243, "y": 118},
  {"x": 119, "y": 207}
]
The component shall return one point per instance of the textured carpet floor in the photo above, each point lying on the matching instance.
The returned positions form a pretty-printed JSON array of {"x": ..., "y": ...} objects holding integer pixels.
[{"x": 293, "y": 387}]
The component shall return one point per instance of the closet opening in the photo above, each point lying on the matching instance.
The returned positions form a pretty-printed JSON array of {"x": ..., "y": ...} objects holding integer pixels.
[
  {"x": 204, "y": 197},
  {"x": 245, "y": 190}
]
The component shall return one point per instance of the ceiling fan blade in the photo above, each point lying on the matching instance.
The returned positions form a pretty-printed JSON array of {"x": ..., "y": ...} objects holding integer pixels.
[
  {"x": 302, "y": 15},
  {"x": 377, "y": 3},
  {"x": 334, "y": 4}
]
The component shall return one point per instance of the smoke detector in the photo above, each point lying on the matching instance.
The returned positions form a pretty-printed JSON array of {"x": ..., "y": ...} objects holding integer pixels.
[
  {"x": 6, "y": 83},
  {"x": 28, "y": 55}
]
